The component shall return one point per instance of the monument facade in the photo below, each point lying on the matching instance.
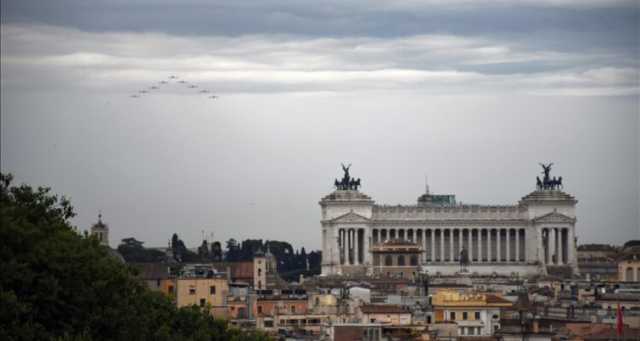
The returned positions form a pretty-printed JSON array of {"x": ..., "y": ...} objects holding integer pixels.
[{"x": 534, "y": 236}]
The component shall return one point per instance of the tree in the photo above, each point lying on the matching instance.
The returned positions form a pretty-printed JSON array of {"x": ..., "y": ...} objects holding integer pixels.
[
  {"x": 180, "y": 251},
  {"x": 216, "y": 251},
  {"x": 233, "y": 251},
  {"x": 133, "y": 251},
  {"x": 58, "y": 284},
  {"x": 203, "y": 251}
]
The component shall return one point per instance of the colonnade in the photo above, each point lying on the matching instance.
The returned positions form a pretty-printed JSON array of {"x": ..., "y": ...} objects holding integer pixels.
[
  {"x": 446, "y": 244},
  {"x": 556, "y": 245},
  {"x": 442, "y": 245},
  {"x": 352, "y": 246}
]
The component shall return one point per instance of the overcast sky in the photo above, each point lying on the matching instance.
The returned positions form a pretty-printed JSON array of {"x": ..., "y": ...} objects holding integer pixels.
[{"x": 472, "y": 93}]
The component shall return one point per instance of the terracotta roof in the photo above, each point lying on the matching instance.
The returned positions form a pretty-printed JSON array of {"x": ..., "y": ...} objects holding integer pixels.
[
  {"x": 241, "y": 269},
  {"x": 383, "y": 309},
  {"x": 611, "y": 334},
  {"x": 152, "y": 270},
  {"x": 493, "y": 299},
  {"x": 582, "y": 329}
]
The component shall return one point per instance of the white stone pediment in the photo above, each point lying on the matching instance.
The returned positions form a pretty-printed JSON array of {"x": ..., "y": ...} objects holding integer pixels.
[
  {"x": 554, "y": 217},
  {"x": 350, "y": 217}
]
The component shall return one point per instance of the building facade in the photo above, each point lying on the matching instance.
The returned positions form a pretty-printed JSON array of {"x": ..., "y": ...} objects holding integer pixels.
[
  {"x": 475, "y": 314},
  {"x": 529, "y": 237},
  {"x": 396, "y": 258}
]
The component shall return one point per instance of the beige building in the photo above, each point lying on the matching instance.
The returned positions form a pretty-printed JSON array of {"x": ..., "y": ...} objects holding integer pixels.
[
  {"x": 396, "y": 258},
  {"x": 386, "y": 313},
  {"x": 629, "y": 262},
  {"x": 629, "y": 270},
  {"x": 203, "y": 291},
  {"x": 474, "y": 314}
]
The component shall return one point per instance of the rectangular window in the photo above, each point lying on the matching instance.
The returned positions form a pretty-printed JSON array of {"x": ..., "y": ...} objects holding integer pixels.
[
  {"x": 203, "y": 302},
  {"x": 452, "y": 316},
  {"x": 259, "y": 309},
  {"x": 268, "y": 324},
  {"x": 212, "y": 289},
  {"x": 472, "y": 331},
  {"x": 293, "y": 309},
  {"x": 171, "y": 289},
  {"x": 192, "y": 291},
  {"x": 465, "y": 315},
  {"x": 477, "y": 315}
]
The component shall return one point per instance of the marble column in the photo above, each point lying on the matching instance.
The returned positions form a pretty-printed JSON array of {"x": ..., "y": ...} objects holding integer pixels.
[
  {"x": 478, "y": 248},
  {"x": 355, "y": 246},
  {"x": 508, "y": 245},
  {"x": 432, "y": 244},
  {"x": 560, "y": 246},
  {"x": 451, "y": 258},
  {"x": 442, "y": 245},
  {"x": 541, "y": 251},
  {"x": 365, "y": 250},
  {"x": 489, "y": 244},
  {"x": 499, "y": 244},
  {"x": 553, "y": 247},
  {"x": 517, "y": 245},
  {"x": 345, "y": 246}
]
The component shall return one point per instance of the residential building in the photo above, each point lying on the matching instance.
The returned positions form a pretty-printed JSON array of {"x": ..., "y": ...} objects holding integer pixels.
[{"x": 476, "y": 314}]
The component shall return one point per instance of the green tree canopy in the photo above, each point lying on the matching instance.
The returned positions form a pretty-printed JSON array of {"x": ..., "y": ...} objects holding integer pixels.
[{"x": 58, "y": 284}]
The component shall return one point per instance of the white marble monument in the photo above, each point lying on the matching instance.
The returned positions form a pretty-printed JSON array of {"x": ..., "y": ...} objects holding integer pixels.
[{"x": 531, "y": 237}]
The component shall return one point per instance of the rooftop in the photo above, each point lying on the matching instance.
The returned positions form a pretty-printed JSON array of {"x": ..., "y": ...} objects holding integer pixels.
[{"x": 383, "y": 309}]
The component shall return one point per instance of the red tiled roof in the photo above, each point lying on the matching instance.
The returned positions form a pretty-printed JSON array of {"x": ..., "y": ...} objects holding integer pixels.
[
  {"x": 241, "y": 269},
  {"x": 383, "y": 309},
  {"x": 496, "y": 299}
]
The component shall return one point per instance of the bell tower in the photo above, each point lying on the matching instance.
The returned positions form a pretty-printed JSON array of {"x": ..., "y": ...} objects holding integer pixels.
[{"x": 101, "y": 231}]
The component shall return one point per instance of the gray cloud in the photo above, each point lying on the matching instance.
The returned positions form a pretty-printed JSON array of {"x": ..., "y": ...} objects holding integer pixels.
[
  {"x": 472, "y": 93},
  {"x": 293, "y": 63}
]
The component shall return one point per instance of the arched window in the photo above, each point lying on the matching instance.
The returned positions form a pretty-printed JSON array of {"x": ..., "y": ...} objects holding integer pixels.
[
  {"x": 414, "y": 260},
  {"x": 629, "y": 275},
  {"x": 388, "y": 261},
  {"x": 401, "y": 260}
]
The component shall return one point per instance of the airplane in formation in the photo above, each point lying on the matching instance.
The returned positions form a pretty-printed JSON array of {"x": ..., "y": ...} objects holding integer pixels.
[{"x": 189, "y": 85}]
